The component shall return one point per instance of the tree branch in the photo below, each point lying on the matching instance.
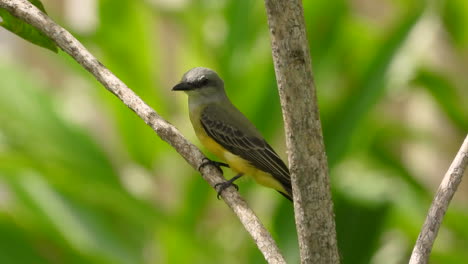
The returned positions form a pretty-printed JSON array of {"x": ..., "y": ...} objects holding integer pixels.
[
  {"x": 29, "y": 13},
  {"x": 307, "y": 160},
  {"x": 439, "y": 206}
]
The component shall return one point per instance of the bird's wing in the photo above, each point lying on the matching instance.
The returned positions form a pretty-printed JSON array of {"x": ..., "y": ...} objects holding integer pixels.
[{"x": 249, "y": 147}]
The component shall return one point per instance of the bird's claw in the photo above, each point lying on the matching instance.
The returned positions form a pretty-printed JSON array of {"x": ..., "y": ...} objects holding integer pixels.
[
  {"x": 217, "y": 164},
  {"x": 223, "y": 185}
]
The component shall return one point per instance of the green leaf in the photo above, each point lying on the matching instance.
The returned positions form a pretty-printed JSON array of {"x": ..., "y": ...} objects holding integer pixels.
[
  {"x": 446, "y": 94},
  {"x": 38, "y": 4},
  {"x": 76, "y": 225},
  {"x": 382, "y": 149},
  {"x": 127, "y": 23},
  {"x": 455, "y": 19},
  {"x": 16, "y": 246},
  {"x": 352, "y": 217},
  {"x": 284, "y": 229},
  {"x": 76, "y": 175},
  {"x": 365, "y": 93},
  {"x": 25, "y": 30}
]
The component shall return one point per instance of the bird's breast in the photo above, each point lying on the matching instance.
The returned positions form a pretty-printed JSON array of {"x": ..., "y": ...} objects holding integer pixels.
[{"x": 236, "y": 163}]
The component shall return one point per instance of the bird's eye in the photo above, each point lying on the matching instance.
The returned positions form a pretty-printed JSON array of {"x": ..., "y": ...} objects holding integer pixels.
[{"x": 203, "y": 81}]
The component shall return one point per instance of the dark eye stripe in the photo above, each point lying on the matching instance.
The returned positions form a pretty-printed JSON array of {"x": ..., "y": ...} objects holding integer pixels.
[{"x": 200, "y": 83}]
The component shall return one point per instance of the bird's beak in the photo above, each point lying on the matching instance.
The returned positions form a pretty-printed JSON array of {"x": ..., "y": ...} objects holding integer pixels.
[{"x": 183, "y": 86}]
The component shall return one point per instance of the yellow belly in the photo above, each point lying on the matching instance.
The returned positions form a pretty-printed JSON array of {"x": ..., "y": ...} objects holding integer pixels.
[{"x": 238, "y": 164}]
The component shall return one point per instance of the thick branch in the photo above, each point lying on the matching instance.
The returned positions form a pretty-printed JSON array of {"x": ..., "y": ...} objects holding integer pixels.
[
  {"x": 307, "y": 160},
  {"x": 439, "y": 206},
  {"x": 29, "y": 13}
]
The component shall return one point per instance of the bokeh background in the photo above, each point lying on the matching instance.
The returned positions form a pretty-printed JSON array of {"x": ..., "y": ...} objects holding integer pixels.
[{"x": 84, "y": 180}]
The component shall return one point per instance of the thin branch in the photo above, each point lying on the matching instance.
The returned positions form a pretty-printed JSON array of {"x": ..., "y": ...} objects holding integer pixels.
[
  {"x": 29, "y": 13},
  {"x": 307, "y": 159},
  {"x": 439, "y": 206}
]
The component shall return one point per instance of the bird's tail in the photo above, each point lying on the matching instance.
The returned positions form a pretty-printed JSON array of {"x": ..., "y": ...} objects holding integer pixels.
[
  {"x": 288, "y": 191},
  {"x": 287, "y": 195}
]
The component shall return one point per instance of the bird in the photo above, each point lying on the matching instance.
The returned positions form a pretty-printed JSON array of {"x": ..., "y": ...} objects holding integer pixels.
[{"x": 228, "y": 134}]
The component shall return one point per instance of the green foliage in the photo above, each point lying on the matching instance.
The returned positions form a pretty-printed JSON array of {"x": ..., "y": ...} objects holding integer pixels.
[
  {"x": 83, "y": 180},
  {"x": 447, "y": 95},
  {"x": 366, "y": 91},
  {"x": 360, "y": 216},
  {"x": 455, "y": 17},
  {"x": 25, "y": 30}
]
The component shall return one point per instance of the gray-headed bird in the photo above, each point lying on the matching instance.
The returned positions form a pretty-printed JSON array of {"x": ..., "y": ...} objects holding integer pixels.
[{"x": 228, "y": 134}]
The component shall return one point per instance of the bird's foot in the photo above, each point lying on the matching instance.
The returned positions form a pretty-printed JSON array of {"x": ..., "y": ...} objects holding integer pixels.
[
  {"x": 217, "y": 164},
  {"x": 220, "y": 187}
]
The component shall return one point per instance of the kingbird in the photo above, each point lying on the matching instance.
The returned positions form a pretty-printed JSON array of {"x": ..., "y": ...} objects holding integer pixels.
[{"x": 228, "y": 134}]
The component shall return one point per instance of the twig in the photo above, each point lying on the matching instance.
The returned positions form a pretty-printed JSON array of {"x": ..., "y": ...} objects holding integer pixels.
[
  {"x": 307, "y": 160},
  {"x": 29, "y": 13},
  {"x": 439, "y": 206}
]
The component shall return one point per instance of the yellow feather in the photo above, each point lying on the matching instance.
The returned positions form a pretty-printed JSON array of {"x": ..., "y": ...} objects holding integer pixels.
[{"x": 235, "y": 162}]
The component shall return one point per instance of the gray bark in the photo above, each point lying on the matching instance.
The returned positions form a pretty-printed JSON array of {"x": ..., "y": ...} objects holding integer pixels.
[
  {"x": 313, "y": 205},
  {"x": 447, "y": 189}
]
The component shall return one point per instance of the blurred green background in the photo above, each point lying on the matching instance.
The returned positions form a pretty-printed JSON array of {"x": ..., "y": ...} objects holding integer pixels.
[{"x": 84, "y": 180}]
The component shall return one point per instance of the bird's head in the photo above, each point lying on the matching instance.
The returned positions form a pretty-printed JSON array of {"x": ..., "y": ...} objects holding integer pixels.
[{"x": 201, "y": 82}]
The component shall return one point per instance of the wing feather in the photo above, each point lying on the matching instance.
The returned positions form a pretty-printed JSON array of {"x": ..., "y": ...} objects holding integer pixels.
[{"x": 251, "y": 148}]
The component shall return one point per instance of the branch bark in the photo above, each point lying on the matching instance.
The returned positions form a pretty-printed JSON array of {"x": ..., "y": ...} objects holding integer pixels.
[
  {"x": 307, "y": 159},
  {"x": 25, "y": 11},
  {"x": 447, "y": 189}
]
